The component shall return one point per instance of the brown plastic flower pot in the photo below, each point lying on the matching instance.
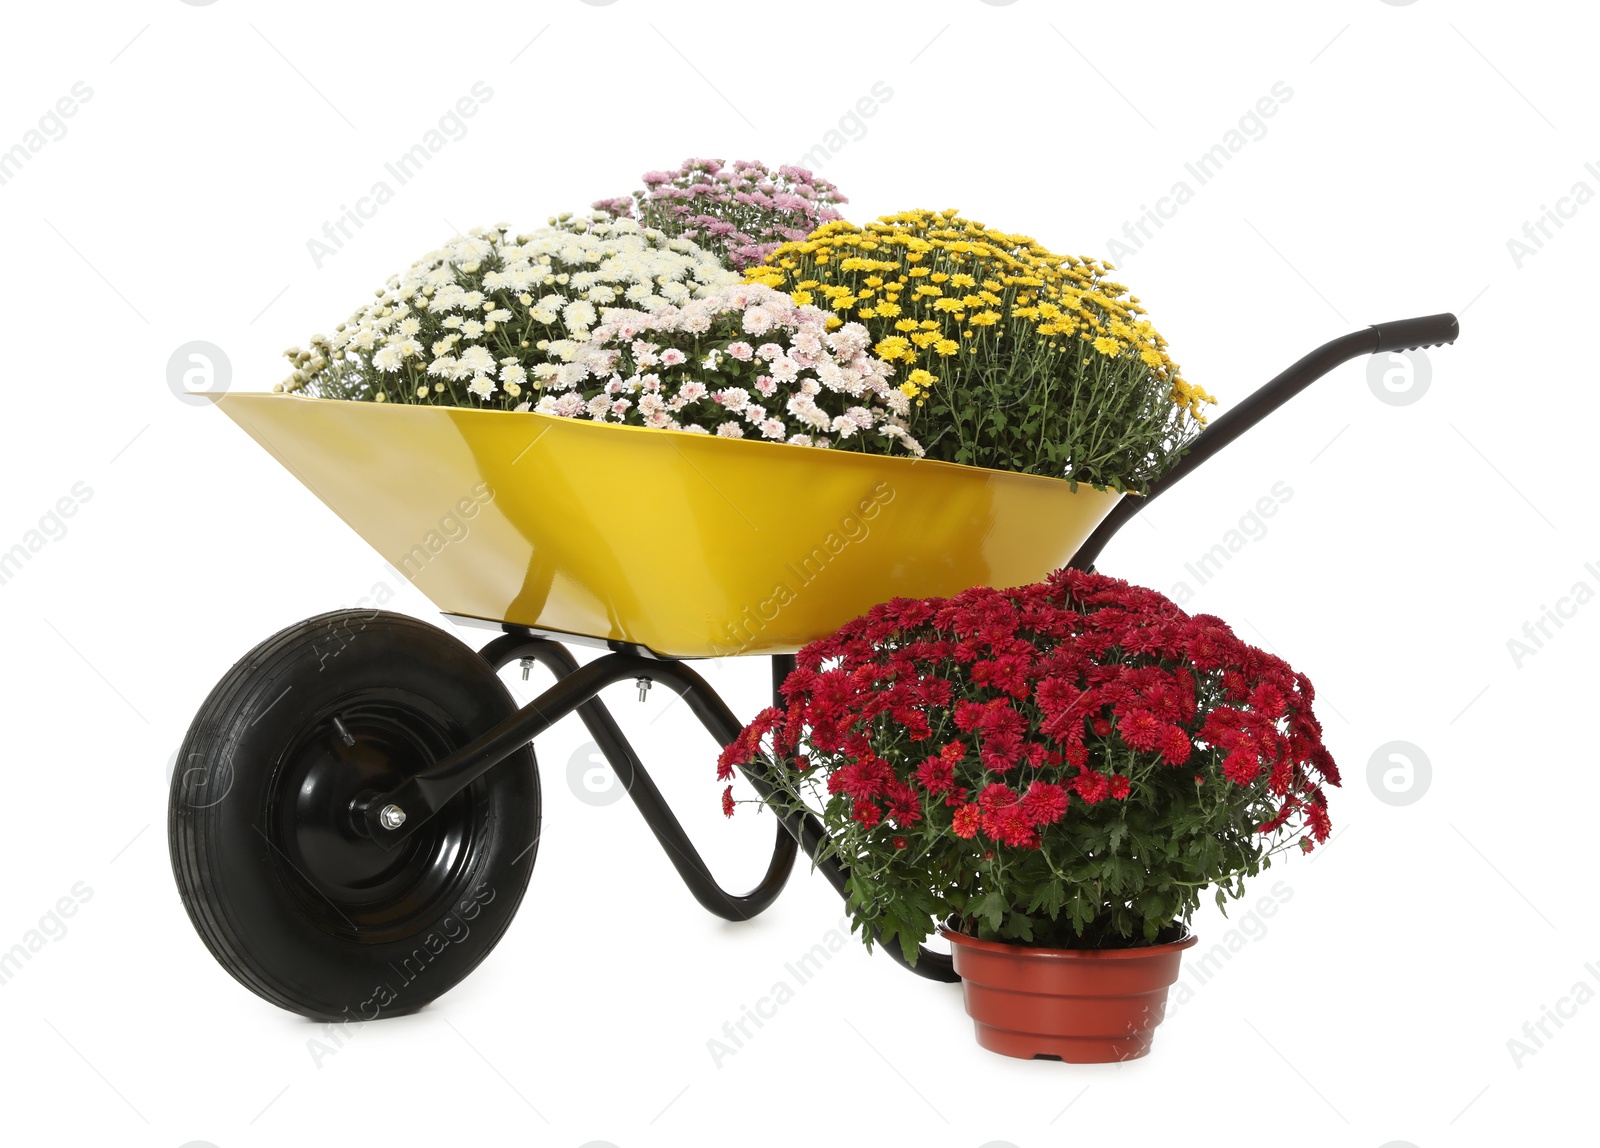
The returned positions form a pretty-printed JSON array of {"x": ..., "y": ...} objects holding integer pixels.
[{"x": 1084, "y": 1006}]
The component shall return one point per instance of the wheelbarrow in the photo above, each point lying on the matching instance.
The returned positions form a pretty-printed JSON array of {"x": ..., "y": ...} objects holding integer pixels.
[{"x": 357, "y": 809}]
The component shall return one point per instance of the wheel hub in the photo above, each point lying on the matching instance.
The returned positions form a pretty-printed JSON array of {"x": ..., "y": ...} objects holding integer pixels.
[{"x": 344, "y": 876}]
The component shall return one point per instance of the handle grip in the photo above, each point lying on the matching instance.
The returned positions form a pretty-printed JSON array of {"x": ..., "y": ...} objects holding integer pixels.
[
  {"x": 1414, "y": 334},
  {"x": 1396, "y": 335}
]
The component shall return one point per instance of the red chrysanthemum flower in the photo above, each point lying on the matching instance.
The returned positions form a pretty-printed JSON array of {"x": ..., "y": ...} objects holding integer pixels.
[
  {"x": 1001, "y": 750},
  {"x": 996, "y": 795},
  {"x": 1241, "y": 766},
  {"x": 905, "y": 804},
  {"x": 965, "y": 822},
  {"x": 1175, "y": 746},
  {"x": 1091, "y": 786},
  {"x": 1011, "y": 827},
  {"x": 1044, "y": 803},
  {"x": 1141, "y": 729},
  {"x": 936, "y": 774},
  {"x": 727, "y": 802}
]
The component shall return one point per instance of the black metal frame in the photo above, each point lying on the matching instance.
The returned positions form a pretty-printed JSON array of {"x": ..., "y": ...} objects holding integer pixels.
[
  {"x": 576, "y": 690},
  {"x": 577, "y": 687}
]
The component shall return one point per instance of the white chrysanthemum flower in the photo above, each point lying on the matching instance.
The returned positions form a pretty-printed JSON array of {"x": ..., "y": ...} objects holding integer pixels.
[
  {"x": 807, "y": 411},
  {"x": 387, "y": 359},
  {"x": 730, "y": 429},
  {"x": 579, "y": 315},
  {"x": 477, "y": 360},
  {"x": 695, "y": 319},
  {"x": 849, "y": 340},
  {"x": 482, "y": 386}
]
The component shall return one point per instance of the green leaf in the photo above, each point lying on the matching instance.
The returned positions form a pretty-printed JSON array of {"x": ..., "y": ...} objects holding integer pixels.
[{"x": 992, "y": 909}]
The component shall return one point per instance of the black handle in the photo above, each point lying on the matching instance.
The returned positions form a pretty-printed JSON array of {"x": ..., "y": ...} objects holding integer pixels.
[
  {"x": 1397, "y": 335},
  {"x": 1412, "y": 334}
]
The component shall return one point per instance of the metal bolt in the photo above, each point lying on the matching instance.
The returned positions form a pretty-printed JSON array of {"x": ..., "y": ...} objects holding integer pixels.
[
  {"x": 644, "y": 688},
  {"x": 527, "y": 664},
  {"x": 391, "y": 817}
]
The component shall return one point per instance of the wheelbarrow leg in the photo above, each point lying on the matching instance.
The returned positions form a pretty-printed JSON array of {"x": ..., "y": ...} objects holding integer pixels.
[{"x": 630, "y": 771}]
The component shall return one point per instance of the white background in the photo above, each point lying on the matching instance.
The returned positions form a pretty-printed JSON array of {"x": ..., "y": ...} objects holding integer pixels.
[{"x": 1419, "y": 538}]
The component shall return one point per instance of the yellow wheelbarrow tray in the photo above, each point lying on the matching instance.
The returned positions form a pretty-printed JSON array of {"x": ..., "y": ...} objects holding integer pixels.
[
  {"x": 685, "y": 545},
  {"x": 358, "y": 809}
]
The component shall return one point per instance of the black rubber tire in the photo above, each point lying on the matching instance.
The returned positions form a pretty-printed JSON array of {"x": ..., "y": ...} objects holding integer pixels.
[{"x": 290, "y": 899}]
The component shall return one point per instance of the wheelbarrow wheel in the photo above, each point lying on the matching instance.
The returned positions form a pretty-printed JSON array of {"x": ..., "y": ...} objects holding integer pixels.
[{"x": 289, "y": 895}]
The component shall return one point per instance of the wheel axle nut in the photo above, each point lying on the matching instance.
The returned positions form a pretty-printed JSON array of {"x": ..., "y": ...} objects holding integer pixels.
[{"x": 391, "y": 817}]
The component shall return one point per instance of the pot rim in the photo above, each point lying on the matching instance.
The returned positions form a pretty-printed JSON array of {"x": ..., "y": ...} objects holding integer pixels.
[{"x": 956, "y": 937}]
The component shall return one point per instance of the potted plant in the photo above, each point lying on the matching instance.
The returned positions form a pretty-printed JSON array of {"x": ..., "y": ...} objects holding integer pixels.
[{"x": 1057, "y": 773}]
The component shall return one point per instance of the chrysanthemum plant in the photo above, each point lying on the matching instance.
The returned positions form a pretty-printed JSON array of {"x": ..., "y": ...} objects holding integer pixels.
[
  {"x": 468, "y": 324},
  {"x": 1015, "y": 358},
  {"x": 739, "y": 212},
  {"x": 1068, "y": 765},
  {"x": 745, "y": 361}
]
